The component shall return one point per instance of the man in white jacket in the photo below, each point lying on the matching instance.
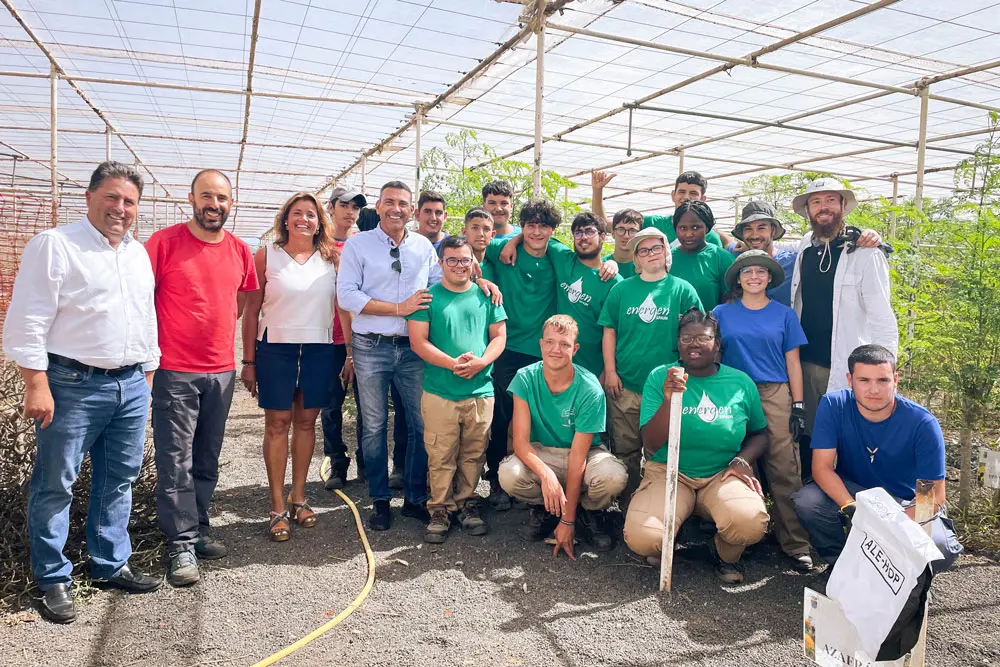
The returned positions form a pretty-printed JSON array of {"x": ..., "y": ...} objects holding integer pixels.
[{"x": 840, "y": 292}]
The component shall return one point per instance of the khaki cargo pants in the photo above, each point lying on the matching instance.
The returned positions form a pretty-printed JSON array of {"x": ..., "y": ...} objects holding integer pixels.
[
  {"x": 603, "y": 479},
  {"x": 738, "y": 512},
  {"x": 455, "y": 436},
  {"x": 626, "y": 443},
  {"x": 782, "y": 467}
]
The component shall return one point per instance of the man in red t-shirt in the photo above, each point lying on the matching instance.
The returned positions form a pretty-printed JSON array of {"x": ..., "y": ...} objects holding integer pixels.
[{"x": 201, "y": 271}]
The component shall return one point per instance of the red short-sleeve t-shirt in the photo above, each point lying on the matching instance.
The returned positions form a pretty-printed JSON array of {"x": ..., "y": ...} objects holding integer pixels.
[
  {"x": 196, "y": 287},
  {"x": 338, "y": 329}
]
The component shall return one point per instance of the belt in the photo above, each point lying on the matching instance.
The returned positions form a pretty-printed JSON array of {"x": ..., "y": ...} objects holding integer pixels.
[
  {"x": 384, "y": 338},
  {"x": 78, "y": 366}
]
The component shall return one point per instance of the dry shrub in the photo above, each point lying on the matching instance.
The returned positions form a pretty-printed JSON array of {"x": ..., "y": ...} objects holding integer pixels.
[{"x": 17, "y": 455}]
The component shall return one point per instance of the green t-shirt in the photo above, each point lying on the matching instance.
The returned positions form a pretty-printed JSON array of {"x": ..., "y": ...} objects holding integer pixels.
[
  {"x": 529, "y": 296},
  {"x": 625, "y": 269},
  {"x": 665, "y": 223},
  {"x": 644, "y": 316},
  {"x": 489, "y": 272},
  {"x": 556, "y": 418},
  {"x": 581, "y": 294},
  {"x": 719, "y": 411},
  {"x": 459, "y": 323},
  {"x": 705, "y": 270}
]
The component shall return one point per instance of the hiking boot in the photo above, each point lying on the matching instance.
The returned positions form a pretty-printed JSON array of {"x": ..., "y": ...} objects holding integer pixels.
[
  {"x": 183, "y": 570},
  {"x": 396, "y": 479},
  {"x": 729, "y": 573},
  {"x": 802, "y": 562},
  {"x": 499, "y": 499},
  {"x": 437, "y": 529},
  {"x": 590, "y": 527},
  {"x": 416, "y": 511},
  {"x": 540, "y": 525},
  {"x": 470, "y": 519},
  {"x": 381, "y": 517},
  {"x": 337, "y": 478},
  {"x": 209, "y": 548}
]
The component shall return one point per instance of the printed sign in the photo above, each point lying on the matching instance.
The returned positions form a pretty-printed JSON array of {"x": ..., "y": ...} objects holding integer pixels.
[
  {"x": 989, "y": 466},
  {"x": 830, "y": 640}
]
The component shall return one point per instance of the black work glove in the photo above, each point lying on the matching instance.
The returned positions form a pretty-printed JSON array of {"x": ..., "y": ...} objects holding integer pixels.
[
  {"x": 847, "y": 516},
  {"x": 797, "y": 422}
]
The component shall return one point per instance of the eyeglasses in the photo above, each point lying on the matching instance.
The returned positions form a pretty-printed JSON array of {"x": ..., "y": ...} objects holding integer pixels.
[
  {"x": 700, "y": 339},
  {"x": 626, "y": 231},
  {"x": 754, "y": 271},
  {"x": 652, "y": 250},
  {"x": 396, "y": 266},
  {"x": 458, "y": 261},
  {"x": 587, "y": 233}
]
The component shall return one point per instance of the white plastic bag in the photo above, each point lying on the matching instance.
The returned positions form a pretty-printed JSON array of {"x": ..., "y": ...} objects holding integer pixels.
[{"x": 885, "y": 553}]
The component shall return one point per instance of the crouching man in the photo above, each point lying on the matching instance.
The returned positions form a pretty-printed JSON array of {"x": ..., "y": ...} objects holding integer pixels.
[
  {"x": 559, "y": 466},
  {"x": 459, "y": 335},
  {"x": 869, "y": 436}
]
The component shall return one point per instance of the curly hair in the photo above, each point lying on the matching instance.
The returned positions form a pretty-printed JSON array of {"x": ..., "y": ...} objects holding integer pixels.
[
  {"x": 322, "y": 241},
  {"x": 542, "y": 212}
]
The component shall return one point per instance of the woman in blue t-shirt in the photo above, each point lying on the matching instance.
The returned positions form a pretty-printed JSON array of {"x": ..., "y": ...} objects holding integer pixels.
[{"x": 761, "y": 337}]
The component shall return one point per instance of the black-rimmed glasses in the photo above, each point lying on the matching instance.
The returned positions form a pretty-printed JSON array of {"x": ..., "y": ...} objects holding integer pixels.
[{"x": 396, "y": 266}]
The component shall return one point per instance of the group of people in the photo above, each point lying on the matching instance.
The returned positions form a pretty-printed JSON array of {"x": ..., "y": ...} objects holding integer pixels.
[{"x": 545, "y": 369}]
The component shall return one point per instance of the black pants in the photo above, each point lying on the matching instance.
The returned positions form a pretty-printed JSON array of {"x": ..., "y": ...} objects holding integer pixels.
[
  {"x": 504, "y": 369},
  {"x": 332, "y": 419}
]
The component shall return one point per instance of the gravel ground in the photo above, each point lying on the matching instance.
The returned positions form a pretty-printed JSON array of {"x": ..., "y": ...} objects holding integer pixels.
[{"x": 490, "y": 600}]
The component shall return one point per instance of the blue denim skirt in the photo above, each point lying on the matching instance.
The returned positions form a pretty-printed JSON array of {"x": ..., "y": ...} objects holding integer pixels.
[{"x": 286, "y": 368}]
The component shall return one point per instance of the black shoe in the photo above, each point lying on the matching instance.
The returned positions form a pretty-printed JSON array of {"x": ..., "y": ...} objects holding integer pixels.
[
  {"x": 540, "y": 525},
  {"x": 361, "y": 468},
  {"x": 130, "y": 581},
  {"x": 381, "y": 517},
  {"x": 337, "y": 479},
  {"x": 56, "y": 604},
  {"x": 416, "y": 511},
  {"x": 499, "y": 499},
  {"x": 590, "y": 527},
  {"x": 209, "y": 548},
  {"x": 396, "y": 479}
]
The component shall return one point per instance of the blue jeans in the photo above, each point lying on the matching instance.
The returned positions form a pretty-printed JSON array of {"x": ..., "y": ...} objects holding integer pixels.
[
  {"x": 820, "y": 516},
  {"x": 376, "y": 366},
  {"x": 105, "y": 416}
]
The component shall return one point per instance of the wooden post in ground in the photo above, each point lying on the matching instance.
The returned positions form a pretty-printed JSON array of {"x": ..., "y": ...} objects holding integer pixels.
[
  {"x": 670, "y": 492},
  {"x": 923, "y": 515}
]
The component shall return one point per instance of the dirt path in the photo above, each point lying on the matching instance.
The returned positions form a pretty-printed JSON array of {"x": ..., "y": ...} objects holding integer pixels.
[{"x": 473, "y": 601}]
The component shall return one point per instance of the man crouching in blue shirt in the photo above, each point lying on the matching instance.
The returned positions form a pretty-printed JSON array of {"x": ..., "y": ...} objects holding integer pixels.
[{"x": 869, "y": 436}]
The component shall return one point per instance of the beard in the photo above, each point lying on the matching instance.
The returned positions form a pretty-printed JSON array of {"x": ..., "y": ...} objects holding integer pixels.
[
  {"x": 827, "y": 230},
  {"x": 588, "y": 254},
  {"x": 210, "y": 225}
]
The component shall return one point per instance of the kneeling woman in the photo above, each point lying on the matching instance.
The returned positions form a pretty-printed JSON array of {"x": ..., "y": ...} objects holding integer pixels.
[
  {"x": 723, "y": 432},
  {"x": 288, "y": 354}
]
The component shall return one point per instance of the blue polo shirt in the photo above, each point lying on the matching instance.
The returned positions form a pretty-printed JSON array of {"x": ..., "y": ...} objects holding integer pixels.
[
  {"x": 892, "y": 454},
  {"x": 755, "y": 341}
]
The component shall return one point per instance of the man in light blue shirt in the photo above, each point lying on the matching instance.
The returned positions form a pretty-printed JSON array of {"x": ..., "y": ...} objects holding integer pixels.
[{"x": 384, "y": 275}]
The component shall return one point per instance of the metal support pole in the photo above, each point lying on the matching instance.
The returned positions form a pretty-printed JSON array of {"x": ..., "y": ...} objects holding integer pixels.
[
  {"x": 364, "y": 170},
  {"x": 107, "y": 144},
  {"x": 536, "y": 173},
  {"x": 419, "y": 127},
  {"x": 918, "y": 199},
  {"x": 680, "y": 162},
  {"x": 54, "y": 141},
  {"x": 895, "y": 200}
]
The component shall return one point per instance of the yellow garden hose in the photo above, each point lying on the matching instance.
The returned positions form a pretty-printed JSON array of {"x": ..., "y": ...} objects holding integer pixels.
[{"x": 322, "y": 630}]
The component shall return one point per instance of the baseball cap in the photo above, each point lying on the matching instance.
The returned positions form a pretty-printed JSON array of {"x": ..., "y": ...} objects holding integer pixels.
[{"x": 346, "y": 194}]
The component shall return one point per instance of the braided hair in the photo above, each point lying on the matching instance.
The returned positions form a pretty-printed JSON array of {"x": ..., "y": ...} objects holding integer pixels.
[
  {"x": 699, "y": 208},
  {"x": 695, "y": 316}
]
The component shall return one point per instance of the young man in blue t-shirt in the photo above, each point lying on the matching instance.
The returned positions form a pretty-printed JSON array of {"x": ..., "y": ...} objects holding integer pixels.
[{"x": 869, "y": 436}]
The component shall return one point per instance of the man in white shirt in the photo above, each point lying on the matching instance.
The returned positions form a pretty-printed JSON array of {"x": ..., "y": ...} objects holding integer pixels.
[{"x": 82, "y": 329}]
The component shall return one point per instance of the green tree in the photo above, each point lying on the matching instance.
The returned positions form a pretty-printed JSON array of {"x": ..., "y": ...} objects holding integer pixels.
[{"x": 450, "y": 172}]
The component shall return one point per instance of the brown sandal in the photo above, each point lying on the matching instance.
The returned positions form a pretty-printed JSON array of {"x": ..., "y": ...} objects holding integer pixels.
[
  {"x": 279, "y": 530},
  {"x": 302, "y": 514}
]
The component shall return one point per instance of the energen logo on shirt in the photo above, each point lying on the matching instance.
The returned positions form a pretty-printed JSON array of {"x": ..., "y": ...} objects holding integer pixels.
[
  {"x": 575, "y": 292},
  {"x": 707, "y": 411},
  {"x": 567, "y": 418},
  {"x": 649, "y": 311}
]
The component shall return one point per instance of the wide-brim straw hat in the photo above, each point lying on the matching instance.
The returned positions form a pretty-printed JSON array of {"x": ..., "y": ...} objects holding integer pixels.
[
  {"x": 799, "y": 204},
  {"x": 755, "y": 258}
]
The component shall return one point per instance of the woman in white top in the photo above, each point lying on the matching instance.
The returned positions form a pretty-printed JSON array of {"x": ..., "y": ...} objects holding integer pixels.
[{"x": 288, "y": 349}]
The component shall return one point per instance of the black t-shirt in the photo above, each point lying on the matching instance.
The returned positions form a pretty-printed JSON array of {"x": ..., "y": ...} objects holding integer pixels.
[
  {"x": 817, "y": 302},
  {"x": 367, "y": 220}
]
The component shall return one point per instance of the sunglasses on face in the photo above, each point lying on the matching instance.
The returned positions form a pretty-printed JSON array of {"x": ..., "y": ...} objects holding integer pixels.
[{"x": 396, "y": 266}]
